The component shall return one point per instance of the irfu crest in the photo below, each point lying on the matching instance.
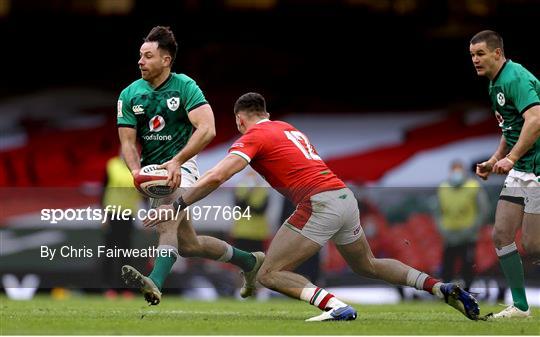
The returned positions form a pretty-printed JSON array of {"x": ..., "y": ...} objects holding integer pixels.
[{"x": 173, "y": 103}]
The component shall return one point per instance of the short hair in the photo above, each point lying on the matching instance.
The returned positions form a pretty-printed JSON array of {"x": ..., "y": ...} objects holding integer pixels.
[
  {"x": 457, "y": 163},
  {"x": 165, "y": 40},
  {"x": 252, "y": 103},
  {"x": 492, "y": 39}
]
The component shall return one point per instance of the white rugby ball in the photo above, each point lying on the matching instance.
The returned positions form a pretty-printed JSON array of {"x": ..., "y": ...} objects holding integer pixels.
[{"x": 152, "y": 182}]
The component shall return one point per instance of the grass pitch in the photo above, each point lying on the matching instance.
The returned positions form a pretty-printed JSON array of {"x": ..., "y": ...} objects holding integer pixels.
[{"x": 92, "y": 315}]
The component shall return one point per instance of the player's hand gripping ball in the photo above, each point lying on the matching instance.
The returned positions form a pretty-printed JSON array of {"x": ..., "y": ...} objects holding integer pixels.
[{"x": 151, "y": 181}]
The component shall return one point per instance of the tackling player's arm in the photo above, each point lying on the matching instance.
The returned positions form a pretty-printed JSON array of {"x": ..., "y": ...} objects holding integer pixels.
[
  {"x": 128, "y": 143},
  {"x": 528, "y": 136},
  {"x": 209, "y": 182},
  {"x": 215, "y": 177},
  {"x": 484, "y": 169},
  {"x": 202, "y": 119}
]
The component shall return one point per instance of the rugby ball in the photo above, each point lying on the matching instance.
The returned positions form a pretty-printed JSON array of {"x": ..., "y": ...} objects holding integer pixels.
[{"x": 152, "y": 182}]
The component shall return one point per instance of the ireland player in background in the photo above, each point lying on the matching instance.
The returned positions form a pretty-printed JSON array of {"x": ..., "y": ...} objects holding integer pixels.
[
  {"x": 515, "y": 97},
  {"x": 161, "y": 111}
]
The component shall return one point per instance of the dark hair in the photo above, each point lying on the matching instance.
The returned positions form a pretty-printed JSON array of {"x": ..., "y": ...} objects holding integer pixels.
[
  {"x": 457, "y": 163},
  {"x": 165, "y": 40},
  {"x": 252, "y": 103},
  {"x": 492, "y": 39}
]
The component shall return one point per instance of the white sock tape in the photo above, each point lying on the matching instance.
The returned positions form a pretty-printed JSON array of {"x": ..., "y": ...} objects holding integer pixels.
[
  {"x": 227, "y": 256},
  {"x": 506, "y": 249}
]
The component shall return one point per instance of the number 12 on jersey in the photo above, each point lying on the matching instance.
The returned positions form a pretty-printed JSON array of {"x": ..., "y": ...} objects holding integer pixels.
[{"x": 302, "y": 142}]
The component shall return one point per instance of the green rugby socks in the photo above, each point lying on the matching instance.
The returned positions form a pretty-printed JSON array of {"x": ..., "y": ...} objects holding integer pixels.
[
  {"x": 512, "y": 267},
  {"x": 163, "y": 264},
  {"x": 245, "y": 260}
]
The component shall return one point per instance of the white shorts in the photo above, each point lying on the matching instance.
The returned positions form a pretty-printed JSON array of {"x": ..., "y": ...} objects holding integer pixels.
[
  {"x": 190, "y": 174},
  {"x": 525, "y": 186},
  {"x": 330, "y": 215}
]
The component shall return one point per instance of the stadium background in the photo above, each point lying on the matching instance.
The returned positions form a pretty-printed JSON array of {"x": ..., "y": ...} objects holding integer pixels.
[{"x": 384, "y": 89}]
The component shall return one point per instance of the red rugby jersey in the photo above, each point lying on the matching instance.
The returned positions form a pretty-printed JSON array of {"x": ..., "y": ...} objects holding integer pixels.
[{"x": 286, "y": 160}]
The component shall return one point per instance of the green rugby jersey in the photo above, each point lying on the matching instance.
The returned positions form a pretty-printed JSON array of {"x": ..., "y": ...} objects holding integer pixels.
[
  {"x": 160, "y": 115},
  {"x": 513, "y": 91}
]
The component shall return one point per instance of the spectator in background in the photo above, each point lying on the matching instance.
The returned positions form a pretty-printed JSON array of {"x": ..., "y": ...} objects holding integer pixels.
[
  {"x": 252, "y": 193},
  {"x": 250, "y": 234},
  {"x": 118, "y": 191},
  {"x": 462, "y": 209}
]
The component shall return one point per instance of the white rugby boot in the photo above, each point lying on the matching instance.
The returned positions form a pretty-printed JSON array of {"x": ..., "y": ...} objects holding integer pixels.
[
  {"x": 250, "y": 276},
  {"x": 512, "y": 312},
  {"x": 134, "y": 279},
  {"x": 346, "y": 313}
]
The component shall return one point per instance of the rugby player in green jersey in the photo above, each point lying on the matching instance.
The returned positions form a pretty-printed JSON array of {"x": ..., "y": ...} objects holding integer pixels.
[
  {"x": 169, "y": 116},
  {"x": 515, "y": 98}
]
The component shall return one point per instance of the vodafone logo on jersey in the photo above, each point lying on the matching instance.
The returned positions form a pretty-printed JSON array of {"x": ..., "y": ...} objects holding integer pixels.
[{"x": 156, "y": 124}]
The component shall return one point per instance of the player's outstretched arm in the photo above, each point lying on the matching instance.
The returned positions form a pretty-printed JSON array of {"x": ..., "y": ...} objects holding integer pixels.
[
  {"x": 214, "y": 178},
  {"x": 528, "y": 136},
  {"x": 484, "y": 169},
  {"x": 128, "y": 144},
  {"x": 209, "y": 182}
]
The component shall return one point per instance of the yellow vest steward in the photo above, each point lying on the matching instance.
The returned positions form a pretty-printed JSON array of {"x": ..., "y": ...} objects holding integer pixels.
[
  {"x": 459, "y": 206},
  {"x": 255, "y": 228},
  {"x": 120, "y": 190}
]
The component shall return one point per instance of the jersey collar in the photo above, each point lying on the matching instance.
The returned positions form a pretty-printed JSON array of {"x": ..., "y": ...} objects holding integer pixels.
[
  {"x": 500, "y": 71},
  {"x": 263, "y": 120},
  {"x": 164, "y": 82}
]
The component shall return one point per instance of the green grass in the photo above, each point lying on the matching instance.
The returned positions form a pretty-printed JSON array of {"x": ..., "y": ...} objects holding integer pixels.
[{"x": 92, "y": 315}]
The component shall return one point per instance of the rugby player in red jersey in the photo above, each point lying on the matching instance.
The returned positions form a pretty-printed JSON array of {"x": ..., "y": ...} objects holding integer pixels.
[{"x": 326, "y": 210}]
